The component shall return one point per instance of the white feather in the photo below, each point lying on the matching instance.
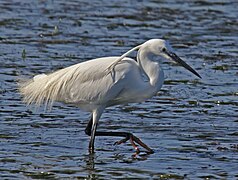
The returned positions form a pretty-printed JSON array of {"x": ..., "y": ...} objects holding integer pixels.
[
  {"x": 86, "y": 84},
  {"x": 37, "y": 77}
]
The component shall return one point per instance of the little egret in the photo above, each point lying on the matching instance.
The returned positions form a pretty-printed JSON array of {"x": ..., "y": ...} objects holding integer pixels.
[{"x": 99, "y": 83}]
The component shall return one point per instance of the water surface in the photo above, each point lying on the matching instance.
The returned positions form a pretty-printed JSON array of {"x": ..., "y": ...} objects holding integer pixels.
[{"x": 191, "y": 124}]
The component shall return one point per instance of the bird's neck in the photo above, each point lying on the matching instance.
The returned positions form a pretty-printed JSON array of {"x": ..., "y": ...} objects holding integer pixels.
[{"x": 151, "y": 68}]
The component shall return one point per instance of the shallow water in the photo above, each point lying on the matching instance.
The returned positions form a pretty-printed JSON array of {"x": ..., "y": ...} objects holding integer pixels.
[{"x": 191, "y": 124}]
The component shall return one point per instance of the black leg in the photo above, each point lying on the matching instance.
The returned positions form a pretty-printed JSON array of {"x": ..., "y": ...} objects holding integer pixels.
[
  {"x": 92, "y": 138},
  {"x": 88, "y": 129},
  {"x": 127, "y": 136}
]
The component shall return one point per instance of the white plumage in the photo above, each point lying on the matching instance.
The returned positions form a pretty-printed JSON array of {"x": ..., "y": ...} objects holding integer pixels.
[
  {"x": 96, "y": 84},
  {"x": 88, "y": 84}
]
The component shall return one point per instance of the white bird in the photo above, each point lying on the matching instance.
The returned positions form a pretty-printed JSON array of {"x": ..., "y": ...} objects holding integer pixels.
[{"x": 99, "y": 83}]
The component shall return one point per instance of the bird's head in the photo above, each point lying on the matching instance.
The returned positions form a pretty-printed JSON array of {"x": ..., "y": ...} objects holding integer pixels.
[
  {"x": 162, "y": 48},
  {"x": 158, "y": 47}
]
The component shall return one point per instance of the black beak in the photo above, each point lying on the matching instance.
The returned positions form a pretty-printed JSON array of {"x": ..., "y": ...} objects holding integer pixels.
[{"x": 177, "y": 59}]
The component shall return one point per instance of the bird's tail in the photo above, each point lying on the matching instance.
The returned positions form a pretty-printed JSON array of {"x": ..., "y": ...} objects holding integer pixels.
[
  {"x": 48, "y": 88},
  {"x": 37, "y": 90}
]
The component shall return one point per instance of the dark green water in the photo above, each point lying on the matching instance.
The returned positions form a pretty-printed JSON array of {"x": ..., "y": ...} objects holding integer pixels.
[{"x": 192, "y": 124}]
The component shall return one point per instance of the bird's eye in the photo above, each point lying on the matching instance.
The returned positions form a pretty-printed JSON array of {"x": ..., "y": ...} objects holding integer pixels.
[{"x": 163, "y": 49}]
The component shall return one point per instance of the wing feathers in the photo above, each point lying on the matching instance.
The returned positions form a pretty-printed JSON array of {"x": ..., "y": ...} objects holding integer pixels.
[{"x": 49, "y": 88}]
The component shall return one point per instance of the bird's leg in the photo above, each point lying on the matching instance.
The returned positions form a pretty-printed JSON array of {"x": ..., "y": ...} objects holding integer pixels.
[
  {"x": 127, "y": 136},
  {"x": 92, "y": 138},
  {"x": 88, "y": 129},
  {"x": 92, "y": 126}
]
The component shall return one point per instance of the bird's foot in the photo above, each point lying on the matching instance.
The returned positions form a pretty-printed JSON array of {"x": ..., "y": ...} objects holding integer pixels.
[{"x": 133, "y": 140}]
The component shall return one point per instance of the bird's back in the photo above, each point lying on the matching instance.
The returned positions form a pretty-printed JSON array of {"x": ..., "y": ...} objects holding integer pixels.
[{"x": 85, "y": 84}]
